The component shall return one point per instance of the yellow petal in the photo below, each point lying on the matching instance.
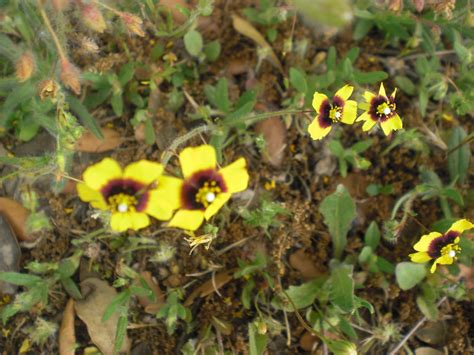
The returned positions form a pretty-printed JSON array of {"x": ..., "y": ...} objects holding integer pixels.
[
  {"x": 120, "y": 222},
  {"x": 392, "y": 124},
  {"x": 345, "y": 92},
  {"x": 433, "y": 267},
  {"x": 461, "y": 225},
  {"x": 364, "y": 117},
  {"x": 144, "y": 171},
  {"x": 235, "y": 175},
  {"x": 368, "y": 96},
  {"x": 215, "y": 206},
  {"x": 157, "y": 206},
  {"x": 318, "y": 99},
  {"x": 169, "y": 189},
  {"x": 350, "y": 112},
  {"x": 382, "y": 90},
  {"x": 97, "y": 175},
  {"x": 316, "y": 131},
  {"x": 420, "y": 257},
  {"x": 445, "y": 260},
  {"x": 194, "y": 159},
  {"x": 394, "y": 93},
  {"x": 94, "y": 197},
  {"x": 187, "y": 219},
  {"x": 368, "y": 125},
  {"x": 425, "y": 241}
]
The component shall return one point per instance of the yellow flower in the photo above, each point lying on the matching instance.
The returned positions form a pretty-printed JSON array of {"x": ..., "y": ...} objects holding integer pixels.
[
  {"x": 339, "y": 109},
  {"x": 381, "y": 109},
  {"x": 205, "y": 188},
  {"x": 131, "y": 195},
  {"x": 443, "y": 248}
]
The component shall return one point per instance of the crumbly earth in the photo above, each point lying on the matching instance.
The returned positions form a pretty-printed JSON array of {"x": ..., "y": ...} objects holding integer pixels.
[{"x": 299, "y": 188}]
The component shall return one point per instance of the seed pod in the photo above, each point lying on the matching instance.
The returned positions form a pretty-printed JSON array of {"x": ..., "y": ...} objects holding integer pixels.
[
  {"x": 92, "y": 18},
  {"x": 70, "y": 76},
  {"x": 60, "y": 5},
  {"x": 47, "y": 88},
  {"x": 133, "y": 23},
  {"x": 25, "y": 66}
]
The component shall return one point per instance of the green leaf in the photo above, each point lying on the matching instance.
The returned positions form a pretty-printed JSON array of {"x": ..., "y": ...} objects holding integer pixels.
[
  {"x": 257, "y": 341},
  {"x": 221, "y": 95},
  {"x": 458, "y": 160},
  {"x": 362, "y": 28},
  {"x": 298, "y": 80},
  {"x": 84, "y": 116},
  {"x": 423, "y": 100},
  {"x": 365, "y": 254},
  {"x": 126, "y": 73},
  {"x": 212, "y": 50},
  {"x": 193, "y": 42},
  {"x": 372, "y": 235},
  {"x": 362, "y": 146},
  {"x": 427, "y": 307},
  {"x": 150, "y": 137},
  {"x": 117, "y": 103},
  {"x": 117, "y": 301},
  {"x": 404, "y": 83},
  {"x": 339, "y": 211},
  {"x": 71, "y": 288},
  {"x": 336, "y": 12},
  {"x": 336, "y": 148},
  {"x": 409, "y": 274},
  {"x": 19, "y": 95},
  {"x": 19, "y": 279},
  {"x": 370, "y": 77},
  {"x": 120, "y": 332},
  {"x": 302, "y": 295},
  {"x": 341, "y": 292}
]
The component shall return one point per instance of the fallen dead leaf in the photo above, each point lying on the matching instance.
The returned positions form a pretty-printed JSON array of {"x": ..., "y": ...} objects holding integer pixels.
[
  {"x": 91, "y": 309},
  {"x": 210, "y": 286},
  {"x": 149, "y": 306},
  {"x": 301, "y": 261},
  {"x": 16, "y": 215},
  {"x": 10, "y": 254},
  {"x": 428, "y": 351},
  {"x": 67, "y": 334},
  {"x": 433, "y": 333},
  {"x": 89, "y": 143},
  {"x": 308, "y": 341},
  {"x": 246, "y": 28},
  {"x": 273, "y": 131}
]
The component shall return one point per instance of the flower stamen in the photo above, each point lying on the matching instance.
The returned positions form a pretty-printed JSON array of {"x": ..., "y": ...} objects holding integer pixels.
[
  {"x": 207, "y": 193},
  {"x": 122, "y": 203},
  {"x": 335, "y": 113}
]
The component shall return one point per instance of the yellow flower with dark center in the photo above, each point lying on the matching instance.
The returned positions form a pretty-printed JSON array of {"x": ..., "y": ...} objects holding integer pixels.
[
  {"x": 330, "y": 112},
  {"x": 443, "y": 248},
  {"x": 131, "y": 195},
  {"x": 380, "y": 108},
  {"x": 205, "y": 188}
]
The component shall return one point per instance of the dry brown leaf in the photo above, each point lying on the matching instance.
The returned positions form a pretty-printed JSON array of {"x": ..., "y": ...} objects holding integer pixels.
[
  {"x": 210, "y": 286},
  {"x": 98, "y": 295},
  {"x": 16, "y": 215},
  {"x": 308, "y": 341},
  {"x": 149, "y": 306},
  {"x": 173, "y": 9},
  {"x": 246, "y": 28},
  {"x": 433, "y": 333},
  {"x": 425, "y": 350},
  {"x": 274, "y": 133},
  {"x": 89, "y": 143},
  {"x": 10, "y": 254},
  {"x": 301, "y": 261},
  {"x": 67, "y": 334}
]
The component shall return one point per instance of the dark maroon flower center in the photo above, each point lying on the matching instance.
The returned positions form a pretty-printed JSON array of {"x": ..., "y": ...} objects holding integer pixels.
[
  {"x": 382, "y": 108},
  {"x": 201, "y": 189},
  {"x": 125, "y": 194},
  {"x": 436, "y": 246},
  {"x": 329, "y": 113}
]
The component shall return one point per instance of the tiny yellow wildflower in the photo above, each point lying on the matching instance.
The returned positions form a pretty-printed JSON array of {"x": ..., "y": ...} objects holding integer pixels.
[
  {"x": 339, "y": 109},
  {"x": 205, "y": 189},
  {"x": 381, "y": 109},
  {"x": 131, "y": 195},
  {"x": 443, "y": 248}
]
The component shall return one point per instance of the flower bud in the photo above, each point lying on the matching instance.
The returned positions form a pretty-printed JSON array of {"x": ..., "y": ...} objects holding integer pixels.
[
  {"x": 92, "y": 18},
  {"x": 88, "y": 46},
  {"x": 70, "y": 76},
  {"x": 133, "y": 23},
  {"x": 25, "y": 66},
  {"x": 60, "y": 5}
]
